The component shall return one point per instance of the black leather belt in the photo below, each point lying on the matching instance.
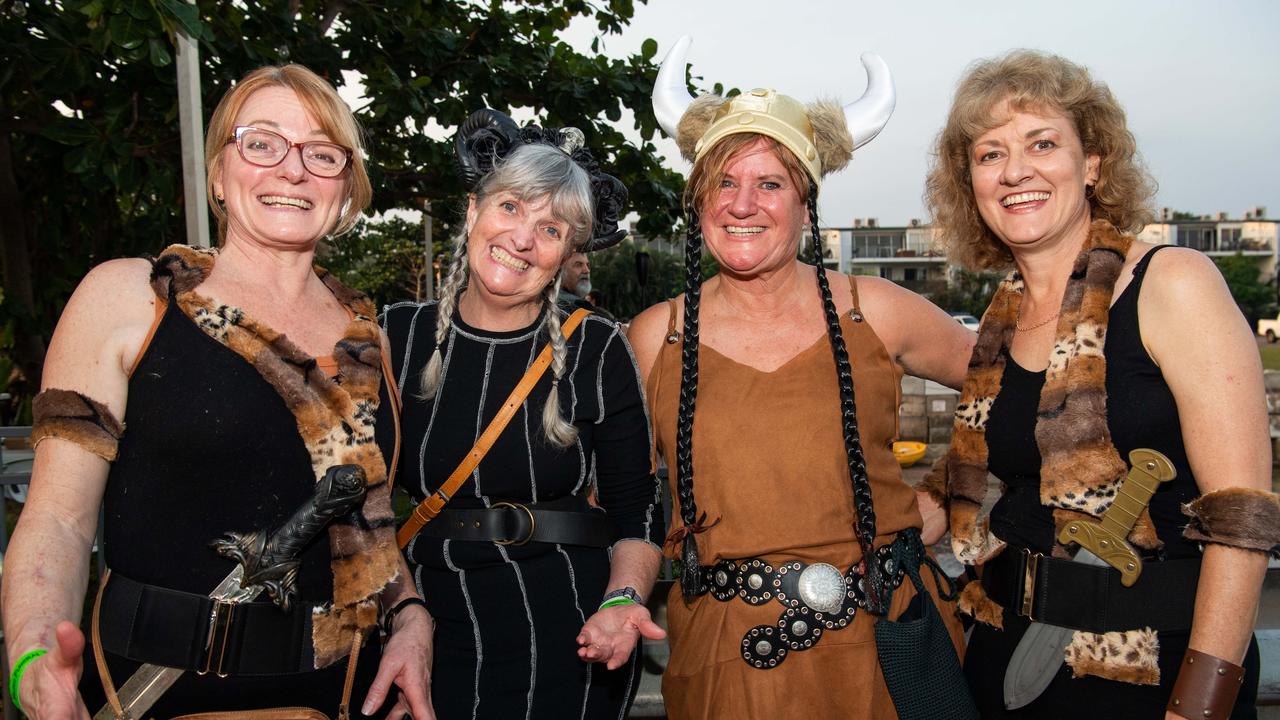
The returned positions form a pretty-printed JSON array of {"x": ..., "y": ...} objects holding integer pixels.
[
  {"x": 512, "y": 523},
  {"x": 1091, "y": 598},
  {"x": 148, "y": 623}
]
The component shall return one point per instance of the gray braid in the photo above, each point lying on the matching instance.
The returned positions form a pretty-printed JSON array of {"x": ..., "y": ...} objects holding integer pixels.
[
  {"x": 559, "y": 432},
  {"x": 453, "y": 285}
]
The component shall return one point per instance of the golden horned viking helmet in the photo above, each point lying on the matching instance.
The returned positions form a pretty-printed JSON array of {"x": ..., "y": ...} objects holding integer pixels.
[{"x": 822, "y": 135}]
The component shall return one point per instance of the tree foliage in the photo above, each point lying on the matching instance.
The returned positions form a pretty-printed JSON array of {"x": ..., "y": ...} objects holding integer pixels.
[
  {"x": 90, "y": 165},
  {"x": 613, "y": 273},
  {"x": 968, "y": 292},
  {"x": 1255, "y": 298}
]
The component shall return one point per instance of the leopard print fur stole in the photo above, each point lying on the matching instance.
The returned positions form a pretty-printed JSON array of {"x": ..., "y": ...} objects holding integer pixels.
[{"x": 335, "y": 420}]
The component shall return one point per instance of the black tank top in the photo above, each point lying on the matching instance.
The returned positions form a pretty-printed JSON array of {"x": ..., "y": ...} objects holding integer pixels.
[
  {"x": 1141, "y": 412},
  {"x": 209, "y": 446}
]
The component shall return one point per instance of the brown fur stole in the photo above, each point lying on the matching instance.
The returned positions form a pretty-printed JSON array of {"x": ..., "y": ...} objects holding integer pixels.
[
  {"x": 1080, "y": 467},
  {"x": 335, "y": 419}
]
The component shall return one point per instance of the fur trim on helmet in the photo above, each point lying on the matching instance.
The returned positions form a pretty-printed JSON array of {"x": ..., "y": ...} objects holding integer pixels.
[
  {"x": 694, "y": 123},
  {"x": 830, "y": 135},
  {"x": 1240, "y": 517}
]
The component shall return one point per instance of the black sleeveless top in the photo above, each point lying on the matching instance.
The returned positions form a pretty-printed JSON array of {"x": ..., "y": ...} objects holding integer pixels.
[
  {"x": 1141, "y": 413},
  {"x": 209, "y": 446}
]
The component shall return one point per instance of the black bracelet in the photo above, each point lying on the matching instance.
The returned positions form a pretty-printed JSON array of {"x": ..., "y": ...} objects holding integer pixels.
[{"x": 389, "y": 617}]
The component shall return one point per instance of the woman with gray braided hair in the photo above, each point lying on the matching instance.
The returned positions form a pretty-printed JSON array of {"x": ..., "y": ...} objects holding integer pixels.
[
  {"x": 794, "y": 527},
  {"x": 536, "y": 592}
]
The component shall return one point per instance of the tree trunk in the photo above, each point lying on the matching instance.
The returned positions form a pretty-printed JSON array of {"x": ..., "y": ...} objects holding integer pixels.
[{"x": 19, "y": 296}]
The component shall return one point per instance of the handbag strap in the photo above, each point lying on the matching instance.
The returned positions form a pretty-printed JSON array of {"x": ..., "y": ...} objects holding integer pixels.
[{"x": 431, "y": 507}]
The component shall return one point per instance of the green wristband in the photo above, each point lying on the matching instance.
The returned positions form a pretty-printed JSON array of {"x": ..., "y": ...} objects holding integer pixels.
[
  {"x": 617, "y": 601},
  {"x": 15, "y": 677}
]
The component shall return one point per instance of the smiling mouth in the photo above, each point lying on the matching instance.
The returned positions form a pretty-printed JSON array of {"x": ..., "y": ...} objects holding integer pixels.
[
  {"x": 280, "y": 200},
  {"x": 743, "y": 231},
  {"x": 1025, "y": 197},
  {"x": 507, "y": 260}
]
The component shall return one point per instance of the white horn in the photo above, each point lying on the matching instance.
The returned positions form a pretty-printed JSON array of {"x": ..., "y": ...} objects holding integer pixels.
[
  {"x": 868, "y": 114},
  {"x": 670, "y": 93}
]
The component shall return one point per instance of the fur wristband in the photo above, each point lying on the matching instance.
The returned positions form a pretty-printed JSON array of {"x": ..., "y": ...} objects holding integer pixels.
[
  {"x": 1239, "y": 517},
  {"x": 72, "y": 416},
  {"x": 1206, "y": 687}
]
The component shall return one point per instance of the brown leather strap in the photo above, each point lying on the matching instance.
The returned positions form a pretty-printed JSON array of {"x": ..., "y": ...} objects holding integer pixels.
[
  {"x": 429, "y": 508},
  {"x": 1206, "y": 687},
  {"x": 344, "y": 711},
  {"x": 104, "y": 673}
]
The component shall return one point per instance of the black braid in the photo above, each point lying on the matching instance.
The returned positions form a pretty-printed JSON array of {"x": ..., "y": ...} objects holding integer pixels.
[
  {"x": 862, "y": 500},
  {"x": 690, "y": 577}
]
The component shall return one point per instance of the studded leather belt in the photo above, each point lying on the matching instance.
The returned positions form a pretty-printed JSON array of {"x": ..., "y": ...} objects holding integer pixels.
[{"x": 816, "y": 598}]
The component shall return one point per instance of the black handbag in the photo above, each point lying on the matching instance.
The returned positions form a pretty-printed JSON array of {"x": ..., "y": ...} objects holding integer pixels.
[{"x": 916, "y": 655}]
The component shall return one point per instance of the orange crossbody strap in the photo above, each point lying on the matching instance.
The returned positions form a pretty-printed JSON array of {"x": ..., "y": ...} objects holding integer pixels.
[{"x": 429, "y": 508}]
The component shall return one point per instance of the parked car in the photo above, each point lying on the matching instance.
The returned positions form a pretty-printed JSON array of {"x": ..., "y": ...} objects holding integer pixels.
[
  {"x": 1270, "y": 329},
  {"x": 966, "y": 320}
]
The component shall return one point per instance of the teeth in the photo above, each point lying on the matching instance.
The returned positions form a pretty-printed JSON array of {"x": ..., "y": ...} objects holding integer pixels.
[
  {"x": 281, "y": 200},
  {"x": 1024, "y": 197},
  {"x": 743, "y": 230},
  {"x": 504, "y": 258}
]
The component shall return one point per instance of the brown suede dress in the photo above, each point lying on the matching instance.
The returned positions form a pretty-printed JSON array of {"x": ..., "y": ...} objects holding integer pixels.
[{"x": 769, "y": 462}]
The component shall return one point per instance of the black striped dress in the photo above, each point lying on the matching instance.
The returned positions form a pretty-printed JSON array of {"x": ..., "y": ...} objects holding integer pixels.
[{"x": 506, "y": 617}]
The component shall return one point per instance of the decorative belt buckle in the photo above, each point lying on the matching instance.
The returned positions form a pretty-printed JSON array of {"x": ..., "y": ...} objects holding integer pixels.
[
  {"x": 219, "y": 629},
  {"x": 822, "y": 587},
  {"x": 1031, "y": 563},
  {"x": 533, "y": 524}
]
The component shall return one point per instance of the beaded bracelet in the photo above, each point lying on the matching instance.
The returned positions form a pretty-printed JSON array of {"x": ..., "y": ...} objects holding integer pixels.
[
  {"x": 15, "y": 677},
  {"x": 389, "y": 617}
]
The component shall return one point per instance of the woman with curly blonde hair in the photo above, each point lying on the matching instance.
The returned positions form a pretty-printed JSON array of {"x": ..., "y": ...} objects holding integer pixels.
[{"x": 1094, "y": 346}]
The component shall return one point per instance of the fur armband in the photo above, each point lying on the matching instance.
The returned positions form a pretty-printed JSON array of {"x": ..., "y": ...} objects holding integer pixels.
[
  {"x": 72, "y": 416},
  {"x": 1239, "y": 517}
]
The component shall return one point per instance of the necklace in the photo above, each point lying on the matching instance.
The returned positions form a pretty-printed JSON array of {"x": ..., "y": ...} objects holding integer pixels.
[{"x": 1027, "y": 328}]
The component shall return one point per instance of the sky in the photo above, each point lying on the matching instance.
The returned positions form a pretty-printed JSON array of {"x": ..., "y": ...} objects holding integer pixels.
[{"x": 1200, "y": 81}]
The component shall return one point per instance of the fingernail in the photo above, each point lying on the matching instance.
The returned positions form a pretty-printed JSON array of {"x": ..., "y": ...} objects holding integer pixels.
[{"x": 367, "y": 708}]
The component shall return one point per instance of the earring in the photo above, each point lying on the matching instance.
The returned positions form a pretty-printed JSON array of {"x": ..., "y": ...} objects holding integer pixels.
[{"x": 1088, "y": 191}]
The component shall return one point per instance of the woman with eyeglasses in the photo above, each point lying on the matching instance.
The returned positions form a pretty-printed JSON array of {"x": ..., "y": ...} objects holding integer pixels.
[{"x": 206, "y": 395}]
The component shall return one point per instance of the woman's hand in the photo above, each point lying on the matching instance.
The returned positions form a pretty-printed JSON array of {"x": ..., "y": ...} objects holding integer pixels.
[
  {"x": 406, "y": 661},
  {"x": 48, "y": 690},
  {"x": 611, "y": 634}
]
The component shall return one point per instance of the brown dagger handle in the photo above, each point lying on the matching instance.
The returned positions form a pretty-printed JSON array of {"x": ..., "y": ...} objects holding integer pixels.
[{"x": 1108, "y": 538}]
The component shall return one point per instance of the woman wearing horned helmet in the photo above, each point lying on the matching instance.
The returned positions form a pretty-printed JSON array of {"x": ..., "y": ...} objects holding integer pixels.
[
  {"x": 536, "y": 593},
  {"x": 794, "y": 526}
]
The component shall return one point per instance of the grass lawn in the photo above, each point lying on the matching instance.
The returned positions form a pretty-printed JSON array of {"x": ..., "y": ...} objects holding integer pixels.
[{"x": 1270, "y": 356}]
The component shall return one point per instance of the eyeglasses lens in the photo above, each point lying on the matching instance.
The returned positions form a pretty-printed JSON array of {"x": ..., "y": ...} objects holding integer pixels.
[{"x": 268, "y": 149}]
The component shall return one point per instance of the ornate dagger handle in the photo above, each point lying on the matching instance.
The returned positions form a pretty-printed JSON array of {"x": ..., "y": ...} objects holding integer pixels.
[
  {"x": 1107, "y": 538},
  {"x": 270, "y": 560}
]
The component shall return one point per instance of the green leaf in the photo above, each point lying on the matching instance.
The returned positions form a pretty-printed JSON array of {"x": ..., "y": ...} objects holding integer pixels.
[
  {"x": 69, "y": 131},
  {"x": 126, "y": 31},
  {"x": 159, "y": 51},
  {"x": 186, "y": 15},
  {"x": 648, "y": 48}
]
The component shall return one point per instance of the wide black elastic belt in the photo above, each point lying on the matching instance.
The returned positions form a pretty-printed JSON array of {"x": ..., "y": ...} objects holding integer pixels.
[
  {"x": 151, "y": 624},
  {"x": 1091, "y": 598},
  {"x": 512, "y": 523}
]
